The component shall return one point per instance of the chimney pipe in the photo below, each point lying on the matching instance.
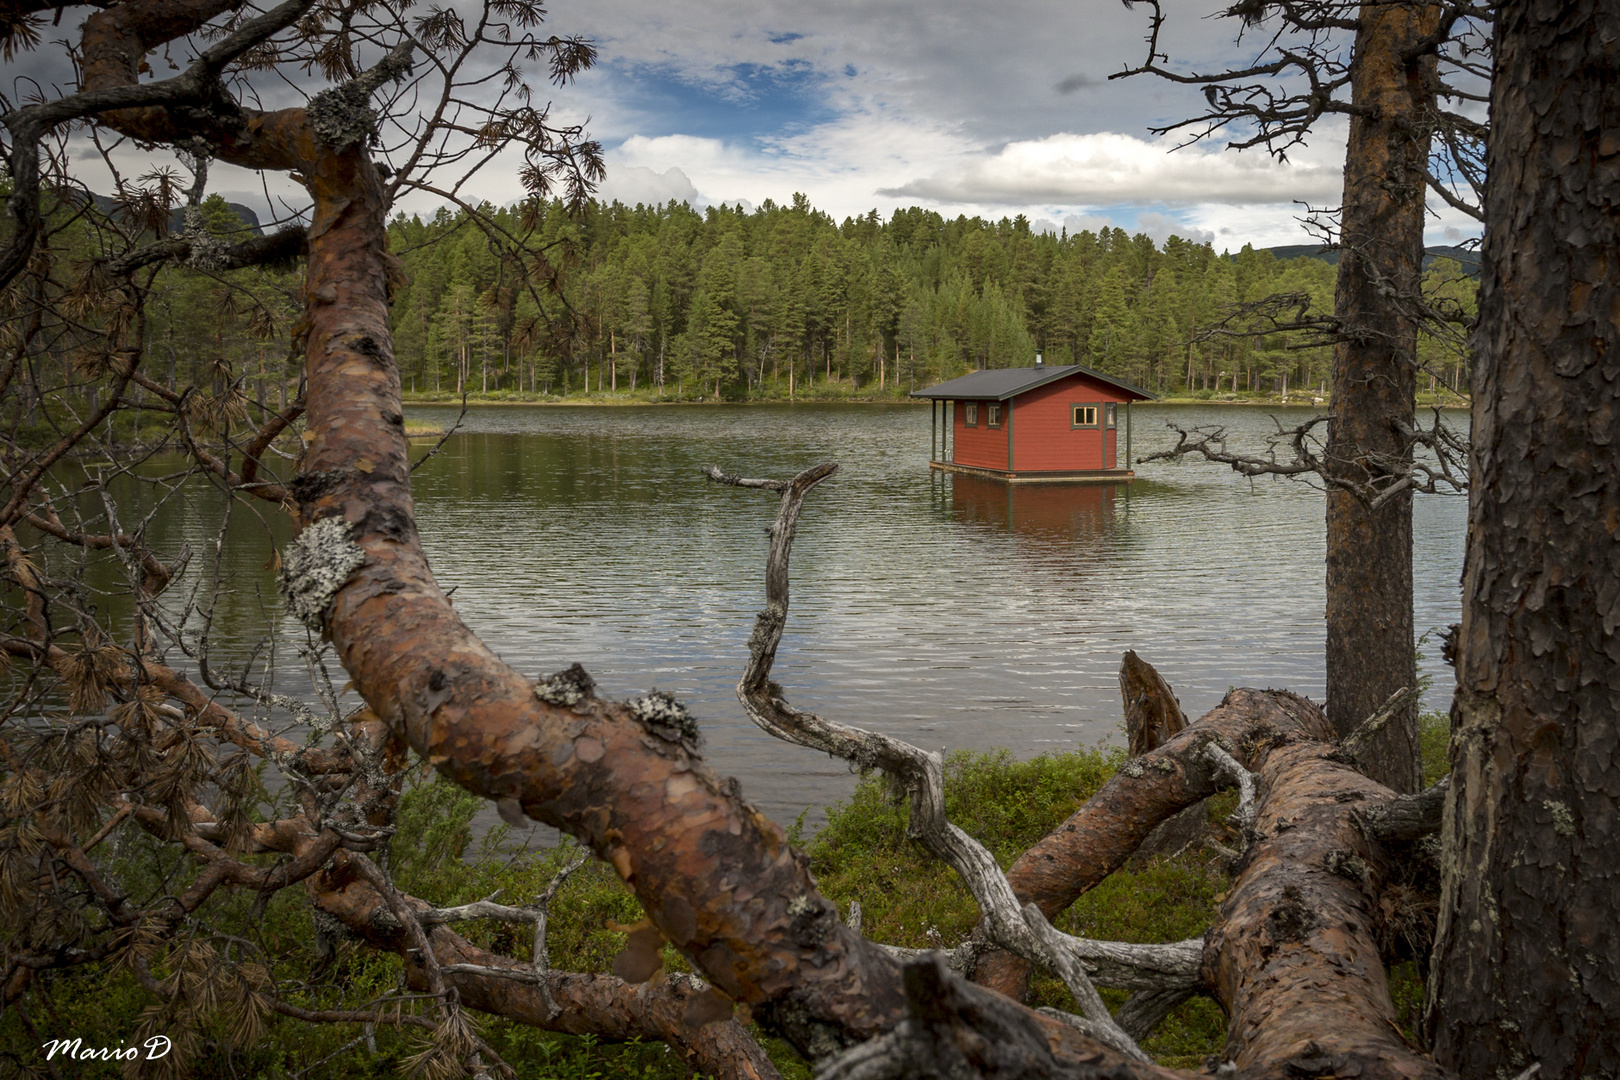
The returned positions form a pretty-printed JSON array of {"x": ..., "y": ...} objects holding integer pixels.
[{"x": 1038, "y": 361}]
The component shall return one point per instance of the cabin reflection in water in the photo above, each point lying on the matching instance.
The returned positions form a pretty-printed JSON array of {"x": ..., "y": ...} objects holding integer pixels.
[{"x": 1049, "y": 511}]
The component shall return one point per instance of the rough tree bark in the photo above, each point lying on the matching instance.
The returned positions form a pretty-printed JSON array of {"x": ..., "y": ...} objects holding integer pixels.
[
  {"x": 1527, "y": 964},
  {"x": 1369, "y": 553},
  {"x": 1390, "y": 86},
  {"x": 1295, "y": 958},
  {"x": 1152, "y": 717}
]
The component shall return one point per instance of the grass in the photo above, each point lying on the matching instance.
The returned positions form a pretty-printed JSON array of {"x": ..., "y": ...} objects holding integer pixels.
[
  {"x": 908, "y": 898},
  {"x": 420, "y": 429},
  {"x": 1434, "y": 739}
]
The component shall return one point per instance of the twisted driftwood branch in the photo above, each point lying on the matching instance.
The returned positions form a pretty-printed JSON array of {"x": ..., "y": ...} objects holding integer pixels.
[{"x": 1021, "y": 928}]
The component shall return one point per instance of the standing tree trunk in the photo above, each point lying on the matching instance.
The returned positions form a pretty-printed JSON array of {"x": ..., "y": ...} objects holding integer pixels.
[
  {"x": 1369, "y": 553},
  {"x": 1527, "y": 961}
]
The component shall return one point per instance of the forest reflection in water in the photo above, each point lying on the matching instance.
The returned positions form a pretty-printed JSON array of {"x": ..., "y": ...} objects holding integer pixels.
[{"x": 953, "y": 611}]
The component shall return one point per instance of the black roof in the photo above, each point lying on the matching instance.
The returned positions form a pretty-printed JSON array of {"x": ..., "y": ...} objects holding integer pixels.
[{"x": 1003, "y": 383}]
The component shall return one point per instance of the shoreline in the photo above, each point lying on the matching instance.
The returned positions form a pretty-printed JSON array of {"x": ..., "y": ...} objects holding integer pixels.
[
  {"x": 427, "y": 433},
  {"x": 595, "y": 402}
]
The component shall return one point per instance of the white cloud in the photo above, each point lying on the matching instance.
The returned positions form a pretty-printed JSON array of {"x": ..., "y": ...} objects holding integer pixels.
[
  {"x": 632, "y": 184},
  {"x": 1010, "y": 70},
  {"x": 1112, "y": 168},
  {"x": 838, "y": 165},
  {"x": 1079, "y": 223},
  {"x": 953, "y": 105},
  {"x": 856, "y": 162},
  {"x": 1161, "y": 228},
  {"x": 1260, "y": 225}
]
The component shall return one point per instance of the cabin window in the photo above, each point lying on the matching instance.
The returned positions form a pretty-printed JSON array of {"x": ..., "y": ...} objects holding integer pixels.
[
  {"x": 1110, "y": 415},
  {"x": 994, "y": 416},
  {"x": 972, "y": 411},
  {"x": 1083, "y": 416}
]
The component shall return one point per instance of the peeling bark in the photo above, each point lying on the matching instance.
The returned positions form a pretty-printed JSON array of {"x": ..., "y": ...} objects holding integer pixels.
[
  {"x": 1097, "y": 839},
  {"x": 714, "y": 875},
  {"x": 1407, "y": 817},
  {"x": 1152, "y": 717},
  {"x": 1294, "y": 959},
  {"x": 1527, "y": 959}
]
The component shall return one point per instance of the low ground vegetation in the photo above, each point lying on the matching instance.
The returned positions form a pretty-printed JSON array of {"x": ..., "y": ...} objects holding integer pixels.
[{"x": 861, "y": 855}]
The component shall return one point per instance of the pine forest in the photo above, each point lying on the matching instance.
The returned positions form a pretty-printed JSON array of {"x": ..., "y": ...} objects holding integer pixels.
[{"x": 784, "y": 303}]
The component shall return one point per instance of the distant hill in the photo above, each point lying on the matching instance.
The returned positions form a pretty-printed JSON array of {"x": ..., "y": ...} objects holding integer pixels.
[
  {"x": 177, "y": 220},
  {"x": 249, "y": 218},
  {"x": 1469, "y": 258}
]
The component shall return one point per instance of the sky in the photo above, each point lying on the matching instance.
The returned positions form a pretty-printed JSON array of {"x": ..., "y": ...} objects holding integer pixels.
[{"x": 958, "y": 106}]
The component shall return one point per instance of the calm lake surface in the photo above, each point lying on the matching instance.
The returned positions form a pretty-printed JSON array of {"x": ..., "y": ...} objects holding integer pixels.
[{"x": 949, "y": 611}]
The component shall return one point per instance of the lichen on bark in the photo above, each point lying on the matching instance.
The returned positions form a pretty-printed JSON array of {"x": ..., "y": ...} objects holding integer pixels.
[{"x": 315, "y": 566}]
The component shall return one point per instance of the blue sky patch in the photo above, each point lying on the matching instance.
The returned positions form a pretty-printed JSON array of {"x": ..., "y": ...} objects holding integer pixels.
[{"x": 748, "y": 101}]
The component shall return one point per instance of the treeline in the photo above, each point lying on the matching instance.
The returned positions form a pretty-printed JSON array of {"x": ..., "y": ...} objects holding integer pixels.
[
  {"x": 665, "y": 302},
  {"x": 230, "y": 334},
  {"x": 784, "y": 301}
]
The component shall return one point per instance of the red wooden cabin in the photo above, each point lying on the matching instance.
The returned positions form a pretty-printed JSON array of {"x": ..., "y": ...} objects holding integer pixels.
[{"x": 1041, "y": 423}]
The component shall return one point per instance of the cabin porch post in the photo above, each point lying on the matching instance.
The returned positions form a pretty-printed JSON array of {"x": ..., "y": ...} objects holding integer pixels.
[{"x": 1127, "y": 435}]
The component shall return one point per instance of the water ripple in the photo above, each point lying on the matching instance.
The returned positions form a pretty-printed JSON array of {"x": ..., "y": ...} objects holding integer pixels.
[{"x": 953, "y": 612}]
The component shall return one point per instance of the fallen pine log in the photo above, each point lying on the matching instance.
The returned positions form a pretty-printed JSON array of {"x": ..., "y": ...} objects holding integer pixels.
[
  {"x": 1103, "y": 834},
  {"x": 1294, "y": 959}
]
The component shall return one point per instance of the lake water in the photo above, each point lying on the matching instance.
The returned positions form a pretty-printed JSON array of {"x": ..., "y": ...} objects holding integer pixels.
[{"x": 949, "y": 611}]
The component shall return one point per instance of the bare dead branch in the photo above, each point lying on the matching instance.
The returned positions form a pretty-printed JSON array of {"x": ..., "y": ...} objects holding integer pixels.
[
  {"x": 1009, "y": 924},
  {"x": 1245, "y": 812},
  {"x": 1300, "y": 452},
  {"x": 1355, "y": 744}
]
